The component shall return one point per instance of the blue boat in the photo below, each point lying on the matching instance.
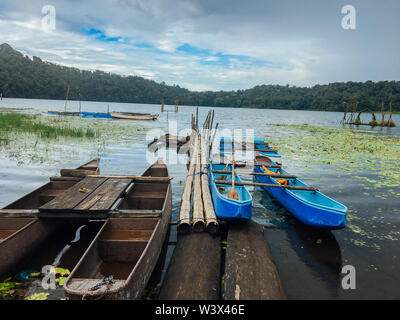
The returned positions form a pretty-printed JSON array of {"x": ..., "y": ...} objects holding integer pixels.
[
  {"x": 226, "y": 147},
  {"x": 275, "y": 156},
  {"x": 96, "y": 115},
  {"x": 227, "y": 208},
  {"x": 312, "y": 208}
]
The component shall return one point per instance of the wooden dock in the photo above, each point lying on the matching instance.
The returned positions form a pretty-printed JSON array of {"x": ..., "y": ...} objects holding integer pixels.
[{"x": 200, "y": 268}]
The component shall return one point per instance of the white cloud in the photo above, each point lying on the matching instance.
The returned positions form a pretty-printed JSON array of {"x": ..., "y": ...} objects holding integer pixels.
[{"x": 300, "y": 44}]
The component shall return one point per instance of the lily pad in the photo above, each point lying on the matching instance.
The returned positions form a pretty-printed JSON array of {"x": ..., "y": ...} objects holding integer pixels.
[{"x": 38, "y": 296}]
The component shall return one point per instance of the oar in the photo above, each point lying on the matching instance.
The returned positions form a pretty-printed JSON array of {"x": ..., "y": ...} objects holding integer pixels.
[
  {"x": 256, "y": 184},
  {"x": 233, "y": 193}
]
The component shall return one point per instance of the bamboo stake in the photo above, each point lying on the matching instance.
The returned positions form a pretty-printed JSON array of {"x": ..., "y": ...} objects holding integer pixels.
[
  {"x": 198, "y": 216},
  {"x": 184, "y": 213},
  {"x": 256, "y": 184},
  {"x": 209, "y": 213},
  {"x": 212, "y": 140},
  {"x": 259, "y": 150}
]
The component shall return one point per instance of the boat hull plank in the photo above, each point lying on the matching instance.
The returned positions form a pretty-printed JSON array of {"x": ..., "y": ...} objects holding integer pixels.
[
  {"x": 250, "y": 273},
  {"x": 23, "y": 236},
  {"x": 194, "y": 270}
]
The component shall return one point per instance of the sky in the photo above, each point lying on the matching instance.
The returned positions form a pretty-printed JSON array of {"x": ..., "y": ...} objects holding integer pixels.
[{"x": 212, "y": 44}]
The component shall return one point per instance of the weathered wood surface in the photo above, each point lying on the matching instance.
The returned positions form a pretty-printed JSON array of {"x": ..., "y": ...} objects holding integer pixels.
[
  {"x": 250, "y": 273},
  {"x": 73, "y": 196},
  {"x": 135, "y": 213},
  {"x": 209, "y": 212},
  {"x": 184, "y": 212},
  {"x": 18, "y": 213},
  {"x": 95, "y": 194},
  {"x": 198, "y": 209},
  {"x": 134, "y": 178},
  {"x": 194, "y": 270},
  {"x": 55, "y": 178},
  {"x": 104, "y": 196},
  {"x": 79, "y": 173}
]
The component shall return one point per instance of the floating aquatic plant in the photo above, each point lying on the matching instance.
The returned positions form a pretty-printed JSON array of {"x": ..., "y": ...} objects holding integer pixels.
[{"x": 363, "y": 155}]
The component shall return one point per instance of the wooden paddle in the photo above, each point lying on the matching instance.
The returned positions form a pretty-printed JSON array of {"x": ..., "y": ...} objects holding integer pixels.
[{"x": 233, "y": 193}]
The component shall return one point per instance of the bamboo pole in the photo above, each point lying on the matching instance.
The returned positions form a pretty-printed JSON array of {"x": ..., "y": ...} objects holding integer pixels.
[
  {"x": 252, "y": 164},
  {"x": 209, "y": 213},
  {"x": 259, "y": 150},
  {"x": 198, "y": 216},
  {"x": 184, "y": 213},
  {"x": 256, "y": 184},
  {"x": 283, "y": 176}
]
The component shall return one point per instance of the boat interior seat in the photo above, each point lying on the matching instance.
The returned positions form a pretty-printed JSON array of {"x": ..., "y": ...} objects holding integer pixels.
[
  {"x": 90, "y": 168},
  {"x": 42, "y": 195},
  {"x": 125, "y": 242},
  {"x": 145, "y": 196}
]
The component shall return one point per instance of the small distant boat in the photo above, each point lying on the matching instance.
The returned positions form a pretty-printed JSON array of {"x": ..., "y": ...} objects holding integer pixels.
[
  {"x": 121, "y": 258},
  {"x": 96, "y": 115},
  {"x": 227, "y": 208},
  {"x": 134, "y": 116},
  {"x": 20, "y": 236},
  {"x": 64, "y": 113},
  {"x": 312, "y": 208}
]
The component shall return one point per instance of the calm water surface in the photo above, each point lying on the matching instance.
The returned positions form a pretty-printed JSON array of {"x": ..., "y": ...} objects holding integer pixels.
[{"x": 309, "y": 261}]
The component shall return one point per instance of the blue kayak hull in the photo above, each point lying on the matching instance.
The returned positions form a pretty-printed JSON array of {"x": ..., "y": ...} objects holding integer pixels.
[
  {"x": 311, "y": 214},
  {"x": 230, "y": 209}
]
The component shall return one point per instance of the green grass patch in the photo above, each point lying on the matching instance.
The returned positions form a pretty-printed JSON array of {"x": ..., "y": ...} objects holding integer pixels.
[
  {"x": 14, "y": 122},
  {"x": 52, "y": 139}
]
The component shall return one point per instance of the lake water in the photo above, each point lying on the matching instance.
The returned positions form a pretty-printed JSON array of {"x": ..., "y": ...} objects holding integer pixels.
[{"x": 309, "y": 261}]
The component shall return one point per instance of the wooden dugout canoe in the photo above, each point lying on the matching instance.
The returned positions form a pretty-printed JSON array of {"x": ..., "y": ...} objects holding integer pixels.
[
  {"x": 126, "y": 248},
  {"x": 19, "y": 236},
  {"x": 134, "y": 116},
  {"x": 64, "y": 113}
]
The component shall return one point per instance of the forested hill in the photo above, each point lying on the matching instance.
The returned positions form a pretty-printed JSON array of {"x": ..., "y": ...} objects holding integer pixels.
[{"x": 22, "y": 77}]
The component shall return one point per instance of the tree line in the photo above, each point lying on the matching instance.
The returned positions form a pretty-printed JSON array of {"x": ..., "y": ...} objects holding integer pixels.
[{"x": 22, "y": 77}]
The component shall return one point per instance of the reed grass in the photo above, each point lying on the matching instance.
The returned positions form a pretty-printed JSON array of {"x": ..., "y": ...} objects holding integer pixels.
[{"x": 23, "y": 123}]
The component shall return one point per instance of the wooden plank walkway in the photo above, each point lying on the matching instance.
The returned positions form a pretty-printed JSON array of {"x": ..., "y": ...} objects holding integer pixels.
[{"x": 250, "y": 273}]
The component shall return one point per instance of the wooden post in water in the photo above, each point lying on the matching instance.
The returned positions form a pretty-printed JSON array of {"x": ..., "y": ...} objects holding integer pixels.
[{"x": 66, "y": 99}]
